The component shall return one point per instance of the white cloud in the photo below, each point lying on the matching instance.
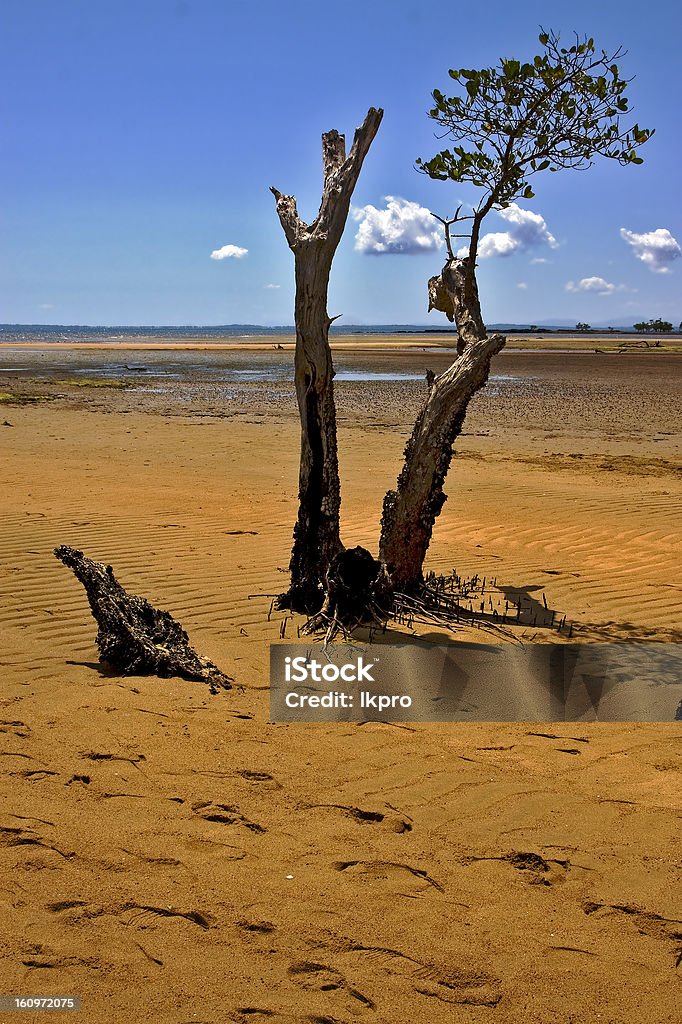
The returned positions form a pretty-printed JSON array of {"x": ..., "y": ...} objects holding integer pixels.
[
  {"x": 403, "y": 227},
  {"x": 539, "y": 259},
  {"x": 495, "y": 243},
  {"x": 526, "y": 230},
  {"x": 46, "y": 305},
  {"x": 597, "y": 285},
  {"x": 227, "y": 252},
  {"x": 655, "y": 248},
  {"x": 272, "y": 286},
  {"x": 530, "y": 228},
  {"x": 522, "y": 285}
]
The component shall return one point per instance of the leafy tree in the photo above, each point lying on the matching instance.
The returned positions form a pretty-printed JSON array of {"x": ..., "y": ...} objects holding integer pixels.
[
  {"x": 559, "y": 110},
  {"x": 582, "y": 327},
  {"x": 657, "y": 326}
]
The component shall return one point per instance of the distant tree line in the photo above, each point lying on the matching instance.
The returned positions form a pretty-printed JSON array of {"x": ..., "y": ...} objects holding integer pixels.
[{"x": 656, "y": 326}]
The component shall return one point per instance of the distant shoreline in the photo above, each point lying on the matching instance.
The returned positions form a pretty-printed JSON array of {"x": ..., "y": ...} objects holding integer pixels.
[
  {"x": 93, "y": 332},
  {"x": 530, "y": 343}
]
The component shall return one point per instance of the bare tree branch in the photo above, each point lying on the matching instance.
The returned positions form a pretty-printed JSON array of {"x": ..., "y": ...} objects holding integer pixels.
[{"x": 287, "y": 212}]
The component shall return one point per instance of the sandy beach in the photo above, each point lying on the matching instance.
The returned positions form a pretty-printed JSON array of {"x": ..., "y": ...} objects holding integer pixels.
[{"x": 173, "y": 856}]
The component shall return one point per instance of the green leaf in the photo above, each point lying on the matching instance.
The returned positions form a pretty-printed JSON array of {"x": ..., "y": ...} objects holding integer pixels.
[{"x": 559, "y": 111}]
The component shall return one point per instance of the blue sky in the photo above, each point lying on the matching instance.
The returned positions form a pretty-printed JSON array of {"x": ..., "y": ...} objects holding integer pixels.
[{"x": 139, "y": 137}]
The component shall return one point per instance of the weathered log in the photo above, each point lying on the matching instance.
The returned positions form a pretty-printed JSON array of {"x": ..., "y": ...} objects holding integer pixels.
[
  {"x": 317, "y": 532},
  {"x": 411, "y": 510},
  {"x": 134, "y": 637}
]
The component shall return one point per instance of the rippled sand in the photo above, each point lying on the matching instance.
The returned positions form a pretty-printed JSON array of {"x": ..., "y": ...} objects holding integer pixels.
[{"x": 171, "y": 856}]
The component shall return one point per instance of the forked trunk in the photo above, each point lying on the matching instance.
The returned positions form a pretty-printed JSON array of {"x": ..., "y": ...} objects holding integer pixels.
[{"x": 316, "y": 533}]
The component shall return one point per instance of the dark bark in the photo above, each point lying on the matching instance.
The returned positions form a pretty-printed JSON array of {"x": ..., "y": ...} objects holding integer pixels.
[
  {"x": 134, "y": 637},
  {"x": 317, "y": 531},
  {"x": 411, "y": 510},
  {"x": 357, "y": 591}
]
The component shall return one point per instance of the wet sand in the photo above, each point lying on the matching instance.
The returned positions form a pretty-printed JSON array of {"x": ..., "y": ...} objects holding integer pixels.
[
  {"x": 396, "y": 343},
  {"x": 172, "y": 856}
]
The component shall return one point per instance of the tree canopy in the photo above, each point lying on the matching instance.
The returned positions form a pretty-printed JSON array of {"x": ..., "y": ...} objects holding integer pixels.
[
  {"x": 559, "y": 110},
  {"x": 658, "y": 326}
]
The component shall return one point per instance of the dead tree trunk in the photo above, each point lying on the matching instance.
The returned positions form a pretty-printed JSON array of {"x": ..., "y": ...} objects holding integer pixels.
[
  {"x": 411, "y": 510},
  {"x": 316, "y": 533},
  {"x": 133, "y": 636}
]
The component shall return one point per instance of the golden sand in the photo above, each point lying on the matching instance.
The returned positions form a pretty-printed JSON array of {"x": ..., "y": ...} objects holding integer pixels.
[{"x": 295, "y": 905}]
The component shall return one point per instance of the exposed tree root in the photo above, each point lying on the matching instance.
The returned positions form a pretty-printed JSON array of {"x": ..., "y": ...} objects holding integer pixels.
[
  {"x": 133, "y": 636},
  {"x": 360, "y": 594}
]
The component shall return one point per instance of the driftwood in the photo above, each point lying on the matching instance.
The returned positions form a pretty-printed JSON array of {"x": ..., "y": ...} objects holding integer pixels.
[
  {"x": 133, "y": 636},
  {"x": 316, "y": 533}
]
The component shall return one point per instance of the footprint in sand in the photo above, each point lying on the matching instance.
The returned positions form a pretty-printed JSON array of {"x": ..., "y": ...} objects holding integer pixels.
[
  {"x": 394, "y": 877},
  {"x": 322, "y": 978},
  {"x": 15, "y": 728},
  {"x": 655, "y": 926},
  {"x": 471, "y": 987},
  {"x": 226, "y": 814},
  {"x": 390, "y": 822},
  {"x": 262, "y": 779},
  {"x": 535, "y": 870}
]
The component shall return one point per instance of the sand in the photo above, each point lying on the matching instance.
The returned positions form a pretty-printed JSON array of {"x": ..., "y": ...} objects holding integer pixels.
[{"x": 173, "y": 857}]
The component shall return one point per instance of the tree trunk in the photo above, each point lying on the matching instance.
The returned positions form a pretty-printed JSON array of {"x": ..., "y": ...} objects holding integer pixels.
[
  {"x": 317, "y": 533},
  {"x": 411, "y": 510},
  {"x": 455, "y": 293}
]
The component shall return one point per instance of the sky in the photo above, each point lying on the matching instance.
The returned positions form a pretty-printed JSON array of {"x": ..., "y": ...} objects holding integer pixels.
[{"x": 140, "y": 137}]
